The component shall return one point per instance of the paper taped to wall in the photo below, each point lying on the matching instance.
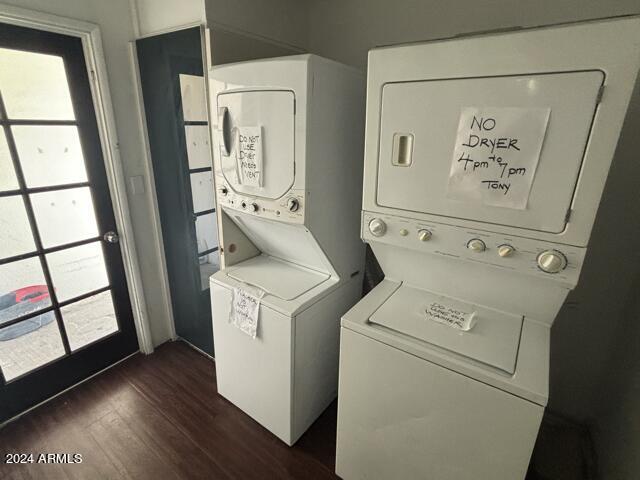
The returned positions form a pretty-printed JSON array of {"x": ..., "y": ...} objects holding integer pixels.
[
  {"x": 450, "y": 316},
  {"x": 496, "y": 155},
  {"x": 249, "y": 155},
  {"x": 245, "y": 309}
]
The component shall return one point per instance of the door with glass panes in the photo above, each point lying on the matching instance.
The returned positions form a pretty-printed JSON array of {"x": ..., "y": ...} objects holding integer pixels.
[
  {"x": 65, "y": 312},
  {"x": 173, "y": 88}
]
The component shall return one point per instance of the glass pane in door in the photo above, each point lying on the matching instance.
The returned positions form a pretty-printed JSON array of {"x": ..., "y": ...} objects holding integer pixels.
[
  {"x": 30, "y": 344},
  {"x": 78, "y": 270},
  {"x": 194, "y": 102},
  {"x": 50, "y": 154},
  {"x": 8, "y": 180},
  {"x": 71, "y": 208},
  {"x": 34, "y": 86},
  {"x": 35, "y": 341},
  {"x": 89, "y": 320},
  {"x": 202, "y": 191},
  {"x": 208, "y": 258},
  {"x": 15, "y": 231},
  {"x": 206, "y": 232},
  {"x": 209, "y": 264},
  {"x": 198, "y": 148},
  {"x": 23, "y": 289}
]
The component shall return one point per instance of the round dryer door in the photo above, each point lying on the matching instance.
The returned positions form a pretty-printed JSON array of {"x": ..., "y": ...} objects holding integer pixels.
[{"x": 256, "y": 141}]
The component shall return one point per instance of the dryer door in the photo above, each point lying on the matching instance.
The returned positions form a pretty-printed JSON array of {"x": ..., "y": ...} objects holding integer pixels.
[
  {"x": 255, "y": 143},
  {"x": 541, "y": 125}
]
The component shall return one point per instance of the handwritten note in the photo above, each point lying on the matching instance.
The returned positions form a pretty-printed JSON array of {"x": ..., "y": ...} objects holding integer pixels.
[
  {"x": 249, "y": 155},
  {"x": 450, "y": 316},
  {"x": 245, "y": 309},
  {"x": 496, "y": 155}
]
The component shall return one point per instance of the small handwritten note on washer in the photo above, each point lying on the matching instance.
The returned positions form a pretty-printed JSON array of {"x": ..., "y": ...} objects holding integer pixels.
[
  {"x": 450, "y": 316},
  {"x": 496, "y": 155},
  {"x": 245, "y": 308},
  {"x": 249, "y": 155}
]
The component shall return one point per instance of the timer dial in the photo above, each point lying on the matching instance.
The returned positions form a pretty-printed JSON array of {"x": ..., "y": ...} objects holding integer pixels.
[
  {"x": 476, "y": 245},
  {"x": 377, "y": 227},
  {"x": 552, "y": 261},
  {"x": 293, "y": 205}
]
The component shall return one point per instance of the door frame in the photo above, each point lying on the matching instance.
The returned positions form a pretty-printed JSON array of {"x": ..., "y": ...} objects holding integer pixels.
[{"x": 90, "y": 36}]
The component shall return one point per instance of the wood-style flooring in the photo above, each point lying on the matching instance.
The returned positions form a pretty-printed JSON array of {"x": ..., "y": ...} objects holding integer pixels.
[{"x": 159, "y": 417}]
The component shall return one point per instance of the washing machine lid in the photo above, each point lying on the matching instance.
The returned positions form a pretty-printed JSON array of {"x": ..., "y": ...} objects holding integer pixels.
[
  {"x": 277, "y": 277},
  {"x": 493, "y": 340}
]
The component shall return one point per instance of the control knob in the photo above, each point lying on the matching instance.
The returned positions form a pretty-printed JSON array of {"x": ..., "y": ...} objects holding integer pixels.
[
  {"x": 293, "y": 204},
  {"x": 377, "y": 227},
  {"x": 476, "y": 245},
  {"x": 552, "y": 261},
  {"x": 253, "y": 207},
  {"x": 506, "y": 250},
  {"x": 224, "y": 191},
  {"x": 424, "y": 235}
]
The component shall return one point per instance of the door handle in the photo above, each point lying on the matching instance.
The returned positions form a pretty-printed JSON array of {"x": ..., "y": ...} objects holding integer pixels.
[
  {"x": 226, "y": 131},
  {"x": 111, "y": 237}
]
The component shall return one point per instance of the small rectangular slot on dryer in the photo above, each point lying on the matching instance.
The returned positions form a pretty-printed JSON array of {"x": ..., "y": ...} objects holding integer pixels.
[{"x": 402, "y": 149}]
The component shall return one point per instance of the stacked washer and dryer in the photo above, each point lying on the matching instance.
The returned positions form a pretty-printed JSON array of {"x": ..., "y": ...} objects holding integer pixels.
[
  {"x": 485, "y": 161},
  {"x": 287, "y": 138}
]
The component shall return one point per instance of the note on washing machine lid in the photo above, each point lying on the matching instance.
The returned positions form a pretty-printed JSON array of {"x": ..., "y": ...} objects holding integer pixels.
[
  {"x": 496, "y": 154},
  {"x": 451, "y": 316},
  {"x": 245, "y": 309},
  {"x": 249, "y": 155}
]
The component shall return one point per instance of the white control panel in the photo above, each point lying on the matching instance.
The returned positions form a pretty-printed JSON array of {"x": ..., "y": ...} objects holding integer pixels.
[
  {"x": 543, "y": 259},
  {"x": 289, "y": 208}
]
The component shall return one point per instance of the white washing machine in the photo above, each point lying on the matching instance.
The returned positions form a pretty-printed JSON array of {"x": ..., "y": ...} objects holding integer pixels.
[
  {"x": 287, "y": 137},
  {"x": 485, "y": 161}
]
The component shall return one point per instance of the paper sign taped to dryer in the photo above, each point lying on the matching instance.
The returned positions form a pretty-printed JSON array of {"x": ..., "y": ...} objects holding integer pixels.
[
  {"x": 450, "y": 316},
  {"x": 245, "y": 310},
  {"x": 496, "y": 154},
  {"x": 249, "y": 155}
]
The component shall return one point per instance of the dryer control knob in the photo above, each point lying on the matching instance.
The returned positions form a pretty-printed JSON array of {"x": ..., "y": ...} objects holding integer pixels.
[
  {"x": 552, "y": 261},
  {"x": 224, "y": 191},
  {"x": 505, "y": 250},
  {"x": 377, "y": 227},
  {"x": 476, "y": 245},
  {"x": 424, "y": 235},
  {"x": 253, "y": 207},
  {"x": 293, "y": 205}
]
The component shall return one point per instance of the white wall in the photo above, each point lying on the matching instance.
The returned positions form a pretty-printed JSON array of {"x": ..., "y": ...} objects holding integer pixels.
[
  {"x": 618, "y": 433},
  {"x": 156, "y": 16},
  {"x": 346, "y": 29},
  {"x": 285, "y": 21},
  {"x": 114, "y": 19}
]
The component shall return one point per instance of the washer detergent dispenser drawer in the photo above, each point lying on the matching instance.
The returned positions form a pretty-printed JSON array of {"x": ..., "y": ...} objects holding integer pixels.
[
  {"x": 285, "y": 280},
  {"x": 493, "y": 339},
  {"x": 264, "y": 166}
]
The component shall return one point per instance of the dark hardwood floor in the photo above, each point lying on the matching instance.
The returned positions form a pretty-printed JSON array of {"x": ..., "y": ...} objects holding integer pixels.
[{"x": 159, "y": 417}]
